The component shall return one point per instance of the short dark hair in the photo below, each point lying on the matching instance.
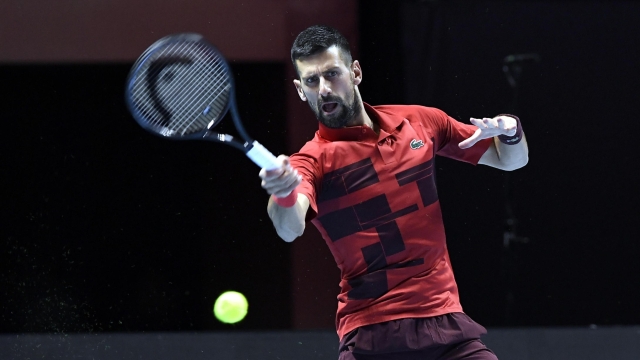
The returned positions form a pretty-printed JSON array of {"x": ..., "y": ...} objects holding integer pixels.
[{"x": 318, "y": 38}]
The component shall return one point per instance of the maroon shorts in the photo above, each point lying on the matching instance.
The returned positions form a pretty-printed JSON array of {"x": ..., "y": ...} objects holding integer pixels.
[{"x": 446, "y": 337}]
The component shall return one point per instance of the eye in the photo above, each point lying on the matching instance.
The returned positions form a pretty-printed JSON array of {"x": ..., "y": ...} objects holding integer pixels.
[
  {"x": 311, "y": 80},
  {"x": 332, "y": 73}
]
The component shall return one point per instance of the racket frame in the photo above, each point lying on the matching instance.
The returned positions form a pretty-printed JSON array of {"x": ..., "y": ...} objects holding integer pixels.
[{"x": 250, "y": 147}]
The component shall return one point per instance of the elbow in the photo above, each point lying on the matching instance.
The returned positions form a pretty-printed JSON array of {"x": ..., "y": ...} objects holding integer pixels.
[
  {"x": 290, "y": 231},
  {"x": 515, "y": 165},
  {"x": 288, "y": 238},
  {"x": 289, "y": 235}
]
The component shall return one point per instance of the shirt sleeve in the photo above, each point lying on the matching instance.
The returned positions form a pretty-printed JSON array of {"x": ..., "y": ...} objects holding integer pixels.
[
  {"x": 449, "y": 132},
  {"x": 309, "y": 169}
]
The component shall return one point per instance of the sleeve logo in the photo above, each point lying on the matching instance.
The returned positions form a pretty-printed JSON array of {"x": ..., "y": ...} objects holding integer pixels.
[{"x": 416, "y": 144}]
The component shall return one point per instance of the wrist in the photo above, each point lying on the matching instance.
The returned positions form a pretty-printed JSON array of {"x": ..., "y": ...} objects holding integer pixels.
[
  {"x": 513, "y": 139},
  {"x": 287, "y": 201}
]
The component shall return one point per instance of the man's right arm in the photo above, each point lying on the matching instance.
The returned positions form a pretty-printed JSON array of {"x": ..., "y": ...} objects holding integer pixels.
[
  {"x": 289, "y": 221},
  {"x": 287, "y": 214}
]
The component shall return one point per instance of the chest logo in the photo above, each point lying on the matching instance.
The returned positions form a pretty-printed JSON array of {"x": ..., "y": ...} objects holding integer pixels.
[{"x": 416, "y": 144}]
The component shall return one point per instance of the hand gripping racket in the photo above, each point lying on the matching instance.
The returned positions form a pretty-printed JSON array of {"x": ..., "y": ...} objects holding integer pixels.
[{"x": 181, "y": 87}]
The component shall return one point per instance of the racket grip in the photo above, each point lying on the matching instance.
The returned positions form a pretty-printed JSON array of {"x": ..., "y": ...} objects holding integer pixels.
[{"x": 263, "y": 157}]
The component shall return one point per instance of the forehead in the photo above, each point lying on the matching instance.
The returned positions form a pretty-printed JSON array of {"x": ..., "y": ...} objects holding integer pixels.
[{"x": 320, "y": 62}]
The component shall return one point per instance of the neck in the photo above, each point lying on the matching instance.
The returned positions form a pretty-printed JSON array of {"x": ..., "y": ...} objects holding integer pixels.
[{"x": 363, "y": 118}]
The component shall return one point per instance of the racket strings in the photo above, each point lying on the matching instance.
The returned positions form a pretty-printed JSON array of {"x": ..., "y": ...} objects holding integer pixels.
[
  {"x": 191, "y": 84},
  {"x": 183, "y": 104},
  {"x": 213, "y": 78},
  {"x": 187, "y": 93}
]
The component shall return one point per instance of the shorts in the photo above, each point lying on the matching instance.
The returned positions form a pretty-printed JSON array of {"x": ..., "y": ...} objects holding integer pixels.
[{"x": 446, "y": 337}]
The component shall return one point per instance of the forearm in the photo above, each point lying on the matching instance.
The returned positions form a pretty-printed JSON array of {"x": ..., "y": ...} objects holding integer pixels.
[
  {"x": 507, "y": 152},
  {"x": 512, "y": 157},
  {"x": 289, "y": 221}
]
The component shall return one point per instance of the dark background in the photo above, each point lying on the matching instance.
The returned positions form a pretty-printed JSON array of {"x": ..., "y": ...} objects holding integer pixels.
[
  {"x": 577, "y": 198},
  {"x": 105, "y": 227}
]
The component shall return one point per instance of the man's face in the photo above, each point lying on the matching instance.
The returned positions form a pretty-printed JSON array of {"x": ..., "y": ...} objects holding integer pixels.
[{"x": 328, "y": 86}]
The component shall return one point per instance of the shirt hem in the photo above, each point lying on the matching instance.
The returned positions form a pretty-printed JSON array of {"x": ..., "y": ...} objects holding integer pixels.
[{"x": 354, "y": 324}]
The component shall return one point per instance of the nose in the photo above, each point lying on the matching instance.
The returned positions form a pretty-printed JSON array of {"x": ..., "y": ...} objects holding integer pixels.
[{"x": 324, "y": 87}]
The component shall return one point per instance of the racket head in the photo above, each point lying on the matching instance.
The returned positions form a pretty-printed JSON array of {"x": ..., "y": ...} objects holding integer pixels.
[{"x": 180, "y": 87}]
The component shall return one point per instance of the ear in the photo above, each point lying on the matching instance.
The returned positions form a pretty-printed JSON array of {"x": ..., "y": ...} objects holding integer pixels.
[
  {"x": 357, "y": 72},
  {"x": 298, "y": 86}
]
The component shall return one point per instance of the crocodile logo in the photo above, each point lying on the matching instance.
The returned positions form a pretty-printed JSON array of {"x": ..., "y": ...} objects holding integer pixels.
[{"x": 416, "y": 144}]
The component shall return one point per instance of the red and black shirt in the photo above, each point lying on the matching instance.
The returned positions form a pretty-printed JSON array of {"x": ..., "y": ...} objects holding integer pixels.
[{"x": 375, "y": 202}]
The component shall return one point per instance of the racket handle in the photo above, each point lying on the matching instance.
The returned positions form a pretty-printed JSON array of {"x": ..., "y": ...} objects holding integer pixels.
[{"x": 262, "y": 157}]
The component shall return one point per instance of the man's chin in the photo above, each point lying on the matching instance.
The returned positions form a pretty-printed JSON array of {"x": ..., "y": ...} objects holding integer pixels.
[{"x": 334, "y": 123}]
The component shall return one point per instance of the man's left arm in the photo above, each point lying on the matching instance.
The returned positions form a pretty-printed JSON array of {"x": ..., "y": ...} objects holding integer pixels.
[{"x": 509, "y": 149}]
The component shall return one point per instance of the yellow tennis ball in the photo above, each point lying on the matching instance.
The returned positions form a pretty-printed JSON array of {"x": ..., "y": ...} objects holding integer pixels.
[{"x": 230, "y": 307}]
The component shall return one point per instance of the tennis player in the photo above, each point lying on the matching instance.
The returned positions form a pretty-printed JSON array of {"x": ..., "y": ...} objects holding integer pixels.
[{"x": 366, "y": 181}]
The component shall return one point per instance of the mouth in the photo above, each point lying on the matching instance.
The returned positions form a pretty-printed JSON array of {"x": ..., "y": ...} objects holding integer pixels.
[{"x": 329, "y": 108}]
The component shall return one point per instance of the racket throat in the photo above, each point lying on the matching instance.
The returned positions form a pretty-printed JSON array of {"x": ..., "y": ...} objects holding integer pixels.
[{"x": 224, "y": 138}]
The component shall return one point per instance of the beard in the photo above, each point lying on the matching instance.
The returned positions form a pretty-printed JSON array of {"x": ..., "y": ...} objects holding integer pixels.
[{"x": 345, "y": 113}]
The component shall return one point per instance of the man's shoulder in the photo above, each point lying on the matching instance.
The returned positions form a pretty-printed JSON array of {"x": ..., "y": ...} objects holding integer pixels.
[{"x": 314, "y": 146}]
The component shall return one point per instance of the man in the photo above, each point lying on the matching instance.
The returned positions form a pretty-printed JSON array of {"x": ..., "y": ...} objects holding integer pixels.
[{"x": 366, "y": 181}]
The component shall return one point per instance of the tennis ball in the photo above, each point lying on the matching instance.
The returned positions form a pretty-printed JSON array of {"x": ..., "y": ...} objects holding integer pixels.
[{"x": 230, "y": 307}]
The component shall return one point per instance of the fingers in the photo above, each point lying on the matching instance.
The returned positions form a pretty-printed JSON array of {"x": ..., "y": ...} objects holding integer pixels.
[
  {"x": 508, "y": 124},
  {"x": 285, "y": 191},
  {"x": 280, "y": 182},
  {"x": 488, "y": 128},
  {"x": 480, "y": 123},
  {"x": 503, "y": 124},
  {"x": 282, "y": 185},
  {"x": 274, "y": 173},
  {"x": 472, "y": 140}
]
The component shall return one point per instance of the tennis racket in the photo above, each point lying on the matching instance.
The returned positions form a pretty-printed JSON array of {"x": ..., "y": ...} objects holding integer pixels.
[{"x": 181, "y": 87}]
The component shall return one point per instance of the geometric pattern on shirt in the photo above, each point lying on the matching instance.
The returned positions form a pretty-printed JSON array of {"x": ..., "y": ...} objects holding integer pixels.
[
  {"x": 373, "y": 213},
  {"x": 348, "y": 179},
  {"x": 424, "y": 178}
]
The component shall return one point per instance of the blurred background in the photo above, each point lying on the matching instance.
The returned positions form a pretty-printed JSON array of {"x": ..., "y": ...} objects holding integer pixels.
[{"x": 107, "y": 229}]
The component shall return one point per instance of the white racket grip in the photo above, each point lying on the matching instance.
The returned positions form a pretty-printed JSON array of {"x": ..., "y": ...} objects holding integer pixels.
[{"x": 263, "y": 157}]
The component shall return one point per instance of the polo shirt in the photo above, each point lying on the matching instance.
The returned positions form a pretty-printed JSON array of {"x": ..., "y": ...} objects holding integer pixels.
[{"x": 374, "y": 200}]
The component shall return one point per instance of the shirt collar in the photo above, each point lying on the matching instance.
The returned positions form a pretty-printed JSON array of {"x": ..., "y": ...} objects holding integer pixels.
[{"x": 388, "y": 124}]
